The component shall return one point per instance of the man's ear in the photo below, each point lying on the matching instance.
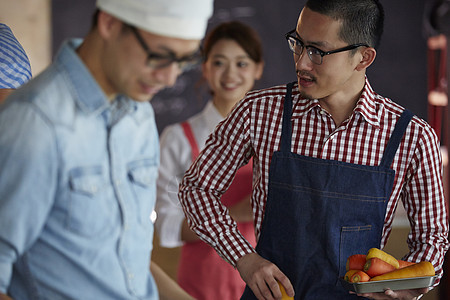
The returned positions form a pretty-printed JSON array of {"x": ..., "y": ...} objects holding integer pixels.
[
  {"x": 108, "y": 25},
  {"x": 367, "y": 58}
]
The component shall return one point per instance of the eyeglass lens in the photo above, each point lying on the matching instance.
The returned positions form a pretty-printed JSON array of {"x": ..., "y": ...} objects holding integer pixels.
[
  {"x": 297, "y": 47},
  {"x": 158, "y": 61},
  {"x": 185, "y": 63}
]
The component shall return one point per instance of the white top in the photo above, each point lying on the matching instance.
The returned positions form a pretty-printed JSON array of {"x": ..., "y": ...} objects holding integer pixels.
[{"x": 176, "y": 158}]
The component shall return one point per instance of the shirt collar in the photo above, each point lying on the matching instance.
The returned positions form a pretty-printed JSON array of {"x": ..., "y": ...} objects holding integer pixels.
[
  {"x": 88, "y": 95},
  {"x": 369, "y": 106}
]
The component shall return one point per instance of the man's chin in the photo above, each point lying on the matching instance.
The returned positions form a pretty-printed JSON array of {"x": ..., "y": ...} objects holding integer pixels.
[
  {"x": 306, "y": 95},
  {"x": 143, "y": 97},
  {"x": 303, "y": 93}
]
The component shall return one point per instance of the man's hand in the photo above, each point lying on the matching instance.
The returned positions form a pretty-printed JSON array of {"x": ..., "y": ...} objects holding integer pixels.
[
  {"x": 261, "y": 276},
  {"x": 402, "y": 294},
  {"x": 4, "y": 297}
]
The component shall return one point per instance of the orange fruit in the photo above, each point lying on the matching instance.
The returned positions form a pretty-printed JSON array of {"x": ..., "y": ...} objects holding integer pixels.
[
  {"x": 349, "y": 274},
  {"x": 284, "y": 296}
]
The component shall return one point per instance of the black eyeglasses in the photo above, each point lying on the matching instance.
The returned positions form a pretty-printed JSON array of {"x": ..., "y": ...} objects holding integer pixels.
[
  {"x": 315, "y": 54},
  {"x": 158, "y": 61}
]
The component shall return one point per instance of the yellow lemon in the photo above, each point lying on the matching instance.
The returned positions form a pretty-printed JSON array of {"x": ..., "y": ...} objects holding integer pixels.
[{"x": 284, "y": 296}]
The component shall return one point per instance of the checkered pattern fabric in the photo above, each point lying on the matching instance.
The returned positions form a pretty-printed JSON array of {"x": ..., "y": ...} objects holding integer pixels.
[{"x": 15, "y": 67}]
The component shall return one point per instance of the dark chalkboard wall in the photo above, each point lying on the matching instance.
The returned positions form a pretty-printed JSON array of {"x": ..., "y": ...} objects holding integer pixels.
[{"x": 399, "y": 71}]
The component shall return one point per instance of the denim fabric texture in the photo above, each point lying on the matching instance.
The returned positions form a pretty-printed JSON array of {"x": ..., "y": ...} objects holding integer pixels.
[{"x": 78, "y": 183}]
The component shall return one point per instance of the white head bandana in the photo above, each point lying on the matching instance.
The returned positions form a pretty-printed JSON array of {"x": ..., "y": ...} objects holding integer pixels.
[{"x": 184, "y": 19}]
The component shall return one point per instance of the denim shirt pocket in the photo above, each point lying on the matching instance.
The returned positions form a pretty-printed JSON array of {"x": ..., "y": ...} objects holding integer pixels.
[
  {"x": 91, "y": 201},
  {"x": 142, "y": 175}
]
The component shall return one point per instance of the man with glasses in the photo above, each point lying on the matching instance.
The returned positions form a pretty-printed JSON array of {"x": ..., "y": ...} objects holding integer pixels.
[
  {"x": 332, "y": 160},
  {"x": 79, "y": 155}
]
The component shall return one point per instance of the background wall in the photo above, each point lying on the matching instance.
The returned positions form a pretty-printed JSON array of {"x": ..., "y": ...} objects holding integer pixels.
[{"x": 30, "y": 22}]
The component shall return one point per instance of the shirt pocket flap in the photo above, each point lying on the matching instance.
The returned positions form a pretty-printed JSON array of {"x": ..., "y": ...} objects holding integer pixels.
[
  {"x": 143, "y": 172},
  {"x": 86, "y": 180}
]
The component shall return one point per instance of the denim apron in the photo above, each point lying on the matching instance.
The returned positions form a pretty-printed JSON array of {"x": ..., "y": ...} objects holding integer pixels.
[{"x": 319, "y": 212}]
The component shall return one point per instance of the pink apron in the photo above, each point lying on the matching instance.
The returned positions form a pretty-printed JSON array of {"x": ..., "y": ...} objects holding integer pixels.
[{"x": 202, "y": 272}]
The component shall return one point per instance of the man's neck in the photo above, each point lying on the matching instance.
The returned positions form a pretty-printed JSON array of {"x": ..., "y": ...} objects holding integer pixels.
[
  {"x": 341, "y": 105},
  {"x": 90, "y": 52}
]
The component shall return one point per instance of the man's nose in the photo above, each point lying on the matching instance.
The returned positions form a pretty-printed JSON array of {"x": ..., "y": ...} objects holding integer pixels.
[{"x": 302, "y": 61}]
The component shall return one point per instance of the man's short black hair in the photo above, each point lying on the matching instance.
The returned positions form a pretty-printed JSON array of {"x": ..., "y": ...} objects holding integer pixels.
[{"x": 362, "y": 20}]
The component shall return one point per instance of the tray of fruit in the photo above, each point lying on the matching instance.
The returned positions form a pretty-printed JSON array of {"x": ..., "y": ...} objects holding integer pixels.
[
  {"x": 393, "y": 284},
  {"x": 377, "y": 271}
]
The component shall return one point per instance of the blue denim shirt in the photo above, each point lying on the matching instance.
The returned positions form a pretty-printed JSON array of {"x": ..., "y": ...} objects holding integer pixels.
[{"x": 77, "y": 186}]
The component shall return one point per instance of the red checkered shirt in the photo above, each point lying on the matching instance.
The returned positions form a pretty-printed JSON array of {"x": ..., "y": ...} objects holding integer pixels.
[{"x": 253, "y": 128}]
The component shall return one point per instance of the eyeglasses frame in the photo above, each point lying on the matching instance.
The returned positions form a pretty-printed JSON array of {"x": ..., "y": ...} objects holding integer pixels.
[
  {"x": 322, "y": 53},
  {"x": 195, "y": 58}
]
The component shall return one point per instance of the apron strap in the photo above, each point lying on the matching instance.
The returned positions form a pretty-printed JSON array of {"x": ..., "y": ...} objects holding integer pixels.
[
  {"x": 190, "y": 136},
  {"x": 286, "y": 133},
  {"x": 396, "y": 138}
]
